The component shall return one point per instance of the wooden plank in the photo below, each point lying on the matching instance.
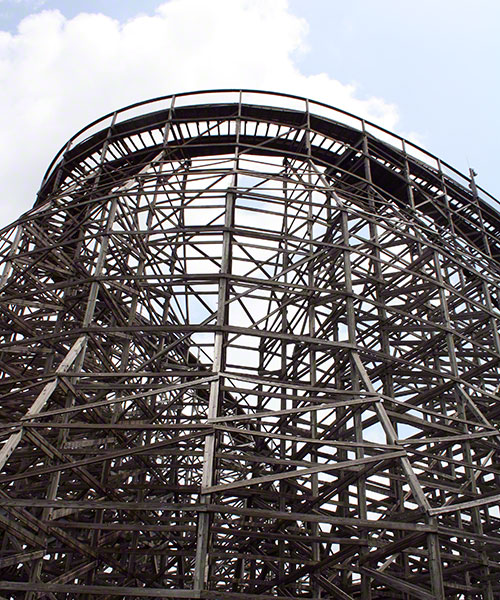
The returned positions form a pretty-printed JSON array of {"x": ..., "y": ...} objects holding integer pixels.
[
  {"x": 392, "y": 437},
  {"x": 133, "y": 397},
  {"x": 323, "y": 468},
  {"x": 461, "y": 506},
  {"x": 98, "y": 590},
  {"x": 21, "y": 557},
  {"x": 292, "y": 411},
  {"x": 398, "y": 584},
  {"x": 42, "y": 398},
  {"x": 381, "y": 524},
  {"x": 306, "y": 440},
  {"x": 102, "y": 457}
]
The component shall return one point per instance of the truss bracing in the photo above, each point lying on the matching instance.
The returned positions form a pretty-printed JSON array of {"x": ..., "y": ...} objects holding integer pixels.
[{"x": 249, "y": 348}]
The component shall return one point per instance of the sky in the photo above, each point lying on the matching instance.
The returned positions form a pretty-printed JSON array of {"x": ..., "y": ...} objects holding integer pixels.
[{"x": 427, "y": 70}]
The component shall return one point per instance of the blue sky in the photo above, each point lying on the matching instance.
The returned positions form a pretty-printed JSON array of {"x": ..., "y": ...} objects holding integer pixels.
[{"x": 428, "y": 69}]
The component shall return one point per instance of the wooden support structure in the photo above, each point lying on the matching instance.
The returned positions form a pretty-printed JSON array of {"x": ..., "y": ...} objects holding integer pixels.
[{"x": 249, "y": 348}]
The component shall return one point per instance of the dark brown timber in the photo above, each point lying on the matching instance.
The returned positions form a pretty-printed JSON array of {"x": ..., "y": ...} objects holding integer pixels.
[{"x": 249, "y": 348}]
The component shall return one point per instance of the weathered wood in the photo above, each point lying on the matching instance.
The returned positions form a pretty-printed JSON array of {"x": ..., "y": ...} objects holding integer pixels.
[
  {"x": 323, "y": 468},
  {"x": 41, "y": 399},
  {"x": 283, "y": 369},
  {"x": 398, "y": 584}
]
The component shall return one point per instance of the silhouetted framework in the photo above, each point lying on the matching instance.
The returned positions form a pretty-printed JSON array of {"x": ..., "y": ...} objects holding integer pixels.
[{"x": 250, "y": 348}]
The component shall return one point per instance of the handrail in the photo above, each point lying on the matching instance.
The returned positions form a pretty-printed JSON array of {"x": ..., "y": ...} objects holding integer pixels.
[{"x": 386, "y": 136}]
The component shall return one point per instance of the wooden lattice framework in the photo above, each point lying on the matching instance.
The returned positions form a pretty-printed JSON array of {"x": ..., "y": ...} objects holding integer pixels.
[{"x": 249, "y": 348}]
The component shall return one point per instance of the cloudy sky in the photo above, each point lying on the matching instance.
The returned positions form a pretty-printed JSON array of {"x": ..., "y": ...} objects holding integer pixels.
[{"x": 427, "y": 70}]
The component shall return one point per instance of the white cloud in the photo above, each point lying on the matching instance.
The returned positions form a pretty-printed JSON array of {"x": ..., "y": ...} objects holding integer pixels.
[{"x": 58, "y": 74}]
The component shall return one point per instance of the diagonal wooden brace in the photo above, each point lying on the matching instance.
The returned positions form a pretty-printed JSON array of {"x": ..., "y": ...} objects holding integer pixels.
[{"x": 42, "y": 399}]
